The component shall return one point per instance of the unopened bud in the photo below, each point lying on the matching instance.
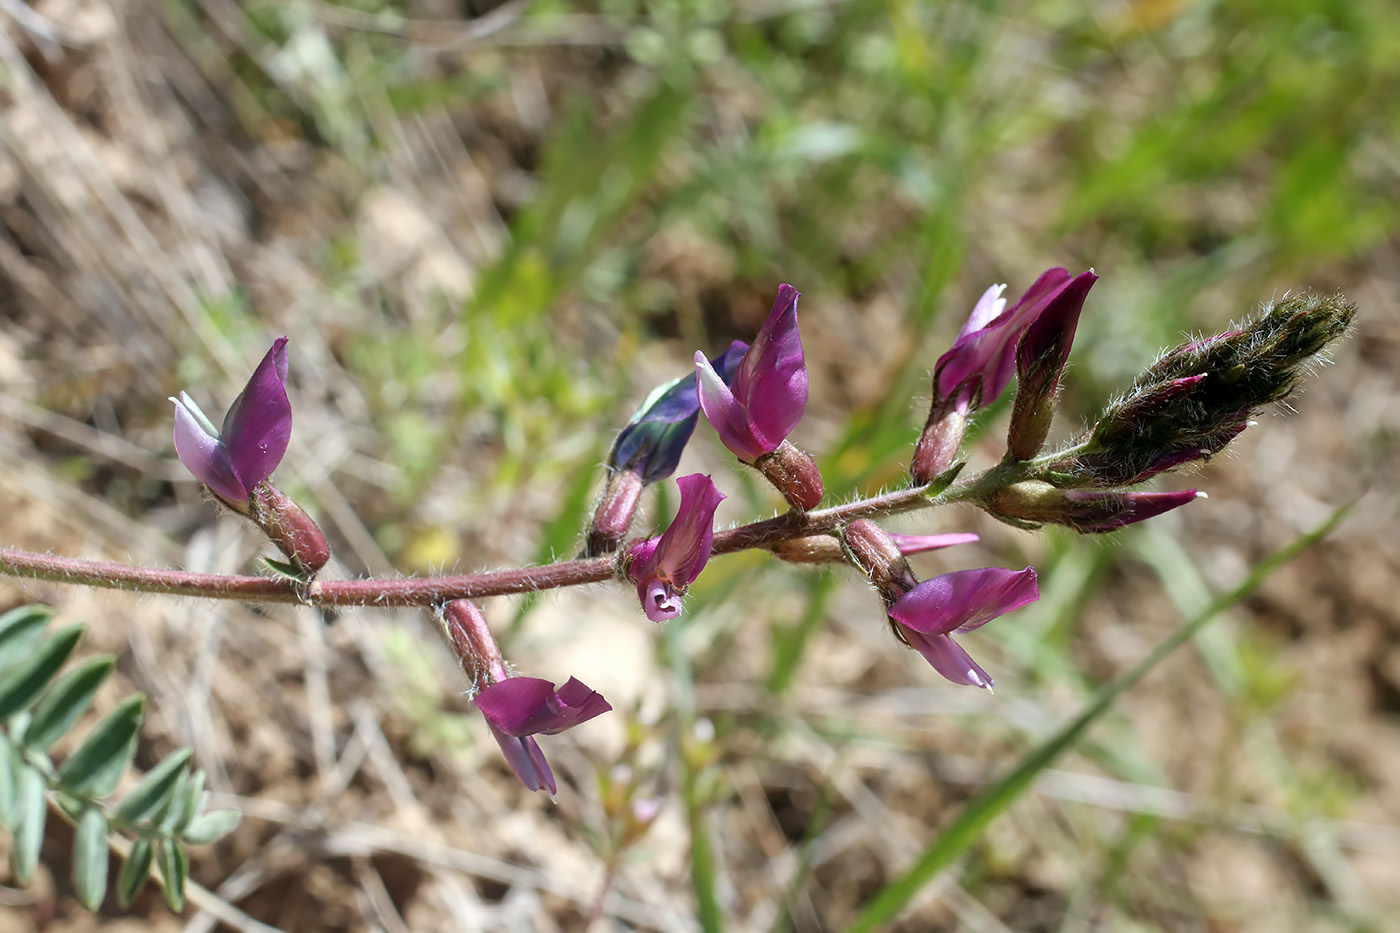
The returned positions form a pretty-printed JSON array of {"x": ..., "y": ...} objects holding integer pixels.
[
  {"x": 813, "y": 549},
  {"x": 794, "y": 473},
  {"x": 941, "y": 441},
  {"x": 876, "y": 553},
  {"x": 1033, "y": 502},
  {"x": 1040, "y": 360},
  {"x": 290, "y": 528},
  {"x": 613, "y": 517}
]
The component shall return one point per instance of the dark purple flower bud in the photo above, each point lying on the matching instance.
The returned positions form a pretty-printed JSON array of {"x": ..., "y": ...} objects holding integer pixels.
[
  {"x": 653, "y": 440},
  {"x": 1040, "y": 360},
  {"x": 1087, "y": 511},
  {"x": 257, "y": 427},
  {"x": 983, "y": 358},
  {"x": 648, "y": 450},
  {"x": 769, "y": 391},
  {"x": 976, "y": 369},
  {"x": 664, "y": 567},
  {"x": 955, "y": 603}
]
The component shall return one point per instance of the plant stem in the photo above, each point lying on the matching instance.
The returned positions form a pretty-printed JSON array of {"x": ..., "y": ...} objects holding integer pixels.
[{"x": 430, "y": 591}]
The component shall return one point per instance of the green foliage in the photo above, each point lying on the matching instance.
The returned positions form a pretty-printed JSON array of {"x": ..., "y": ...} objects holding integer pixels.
[{"x": 163, "y": 814}]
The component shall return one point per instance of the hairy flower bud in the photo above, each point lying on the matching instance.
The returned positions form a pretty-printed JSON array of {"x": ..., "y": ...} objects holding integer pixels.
[
  {"x": 794, "y": 473},
  {"x": 1196, "y": 398},
  {"x": 873, "y": 550},
  {"x": 288, "y": 526},
  {"x": 1032, "y": 503}
]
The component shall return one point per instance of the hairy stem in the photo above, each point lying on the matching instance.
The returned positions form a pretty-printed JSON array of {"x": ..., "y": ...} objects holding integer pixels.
[{"x": 430, "y": 591}]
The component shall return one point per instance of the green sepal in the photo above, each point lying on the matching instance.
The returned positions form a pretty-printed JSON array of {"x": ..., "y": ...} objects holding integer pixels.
[
  {"x": 174, "y": 865},
  {"x": 69, "y": 699},
  {"x": 942, "y": 481},
  {"x": 97, "y": 765},
  {"x": 157, "y": 791},
  {"x": 287, "y": 570},
  {"x": 90, "y": 858},
  {"x": 32, "y": 814},
  {"x": 136, "y": 871},
  {"x": 210, "y": 826},
  {"x": 26, "y": 680},
  {"x": 20, "y": 629}
]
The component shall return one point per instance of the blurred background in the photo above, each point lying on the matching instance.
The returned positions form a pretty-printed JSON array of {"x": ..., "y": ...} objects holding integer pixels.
[{"x": 490, "y": 230}]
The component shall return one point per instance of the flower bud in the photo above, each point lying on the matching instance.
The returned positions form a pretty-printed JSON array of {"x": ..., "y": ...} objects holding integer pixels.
[
  {"x": 614, "y": 514},
  {"x": 941, "y": 440},
  {"x": 289, "y": 527},
  {"x": 875, "y": 552},
  {"x": 1040, "y": 360},
  {"x": 1033, "y": 502},
  {"x": 794, "y": 473}
]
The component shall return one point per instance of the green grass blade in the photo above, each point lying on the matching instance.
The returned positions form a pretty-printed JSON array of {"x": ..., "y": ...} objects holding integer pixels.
[
  {"x": 8, "y": 782},
  {"x": 68, "y": 700},
  {"x": 27, "y": 680},
  {"x": 97, "y": 765},
  {"x": 953, "y": 841},
  {"x": 90, "y": 858}
]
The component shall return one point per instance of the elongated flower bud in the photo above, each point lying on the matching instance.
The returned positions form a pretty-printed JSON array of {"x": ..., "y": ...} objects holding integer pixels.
[
  {"x": 1040, "y": 360},
  {"x": 1088, "y": 511},
  {"x": 289, "y": 527}
]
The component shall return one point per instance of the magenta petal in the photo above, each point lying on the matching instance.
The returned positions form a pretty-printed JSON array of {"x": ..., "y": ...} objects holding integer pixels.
[
  {"x": 258, "y": 425},
  {"x": 988, "y": 354},
  {"x": 949, "y": 659},
  {"x": 522, "y": 706},
  {"x": 659, "y": 600},
  {"x": 204, "y": 455},
  {"x": 964, "y": 600},
  {"x": 917, "y": 544},
  {"x": 725, "y": 414},
  {"x": 774, "y": 373},
  {"x": 1110, "y": 512},
  {"x": 988, "y": 308},
  {"x": 526, "y": 760}
]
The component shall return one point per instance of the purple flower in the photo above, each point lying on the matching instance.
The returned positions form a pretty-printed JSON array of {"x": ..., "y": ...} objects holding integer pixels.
[
  {"x": 769, "y": 392},
  {"x": 231, "y": 462},
  {"x": 983, "y": 358},
  {"x": 930, "y": 613},
  {"x": 663, "y": 567},
  {"x": 518, "y": 708}
]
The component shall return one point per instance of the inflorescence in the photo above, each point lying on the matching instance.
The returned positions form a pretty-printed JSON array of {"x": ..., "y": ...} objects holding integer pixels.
[{"x": 1185, "y": 407}]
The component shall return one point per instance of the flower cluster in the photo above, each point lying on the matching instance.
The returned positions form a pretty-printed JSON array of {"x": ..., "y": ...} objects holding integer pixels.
[{"x": 1186, "y": 406}]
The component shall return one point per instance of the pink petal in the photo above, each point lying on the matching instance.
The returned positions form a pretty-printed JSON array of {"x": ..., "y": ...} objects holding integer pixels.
[
  {"x": 204, "y": 455},
  {"x": 964, "y": 600},
  {"x": 526, "y": 760},
  {"x": 725, "y": 414},
  {"x": 917, "y": 544},
  {"x": 950, "y": 660},
  {"x": 522, "y": 706}
]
